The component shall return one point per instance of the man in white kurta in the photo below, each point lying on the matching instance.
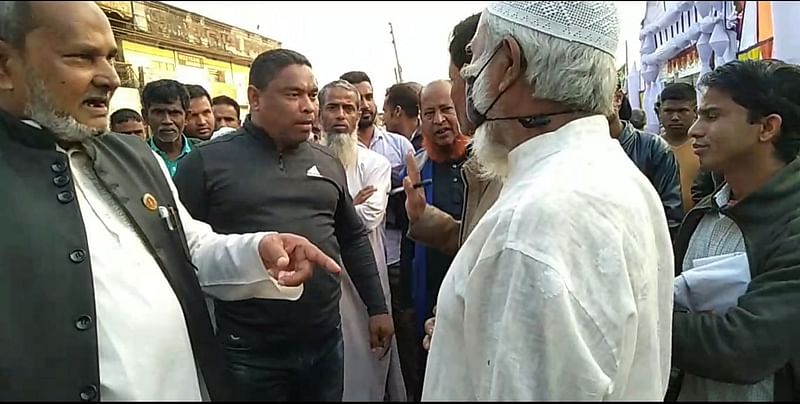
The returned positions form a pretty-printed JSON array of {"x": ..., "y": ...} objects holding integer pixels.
[
  {"x": 368, "y": 375},
  {"x": 563, "y": 290}
]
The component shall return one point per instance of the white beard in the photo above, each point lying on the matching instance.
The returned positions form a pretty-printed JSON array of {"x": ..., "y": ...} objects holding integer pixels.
[
  {"x": 343, "y": 145},
  {"x": 41, "y": 110},
  {"x": 491, "y": 155}
]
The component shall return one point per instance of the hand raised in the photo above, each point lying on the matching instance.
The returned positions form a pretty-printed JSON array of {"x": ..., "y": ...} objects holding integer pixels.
[{"x": 415, "y": 197}]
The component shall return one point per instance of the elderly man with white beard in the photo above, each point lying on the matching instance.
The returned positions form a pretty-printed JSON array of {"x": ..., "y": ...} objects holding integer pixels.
[
  {"x": 563, "y": 291},
  {"x": 369, "y": 374},
  {"x": 102, "y": 270}
]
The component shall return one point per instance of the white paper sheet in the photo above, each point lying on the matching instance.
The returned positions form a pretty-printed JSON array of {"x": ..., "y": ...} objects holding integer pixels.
[{"x": 714, "y": 284}]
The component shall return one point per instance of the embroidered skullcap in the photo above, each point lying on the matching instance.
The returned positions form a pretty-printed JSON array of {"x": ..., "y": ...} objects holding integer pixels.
[{"x": 592, "y": 23}]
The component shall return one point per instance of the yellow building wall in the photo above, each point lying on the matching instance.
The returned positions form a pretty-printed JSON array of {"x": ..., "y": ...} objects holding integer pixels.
[
  {"x": 241, "y": 79},
  {"x": 157, "y": 63},
  {"x": 217, "y": 76}
]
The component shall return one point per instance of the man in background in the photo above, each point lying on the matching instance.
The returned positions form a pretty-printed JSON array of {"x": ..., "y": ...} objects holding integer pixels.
[
  {"x": 226, "y": 112},
  {"x": 128, "y": 122},
  {"x": 199, "y": 117},
  {"x": 428, "y": 224},
  {"x": 368, "y": 375},
  {"x": 638, "y": 119},
  {"x": 164, "y": 104},
  {"x": 440, "y": 162},
  {"x": 677, "y": 112},
  {"x": 394, "y": 147},
  {"x": 655, "y": 160},
  {"x": 401, "y": 111}
]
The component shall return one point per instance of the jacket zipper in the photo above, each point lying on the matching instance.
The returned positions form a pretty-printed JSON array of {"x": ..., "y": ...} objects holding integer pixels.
[{"x": 281, "y": 165}]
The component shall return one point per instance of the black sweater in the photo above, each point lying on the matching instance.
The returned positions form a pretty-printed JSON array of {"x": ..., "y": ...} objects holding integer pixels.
[
  {"x": 758, "y": 338},
  {"x": 241, "y": 183}
]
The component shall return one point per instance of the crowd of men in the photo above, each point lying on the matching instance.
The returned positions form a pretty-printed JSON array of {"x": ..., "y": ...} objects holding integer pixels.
[{"x": 509, "y": 233}]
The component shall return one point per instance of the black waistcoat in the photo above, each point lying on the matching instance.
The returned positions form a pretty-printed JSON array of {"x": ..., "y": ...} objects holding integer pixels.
[{"x": 48, "y": 339}]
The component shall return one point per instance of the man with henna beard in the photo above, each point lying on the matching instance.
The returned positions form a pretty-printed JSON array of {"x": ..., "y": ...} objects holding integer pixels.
[{"x": 440, "y": 161}]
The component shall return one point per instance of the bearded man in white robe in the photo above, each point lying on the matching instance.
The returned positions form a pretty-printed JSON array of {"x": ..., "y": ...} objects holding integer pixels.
[
  {"x": 563, "y": 291},
  {"x": 371, "y": 373}
]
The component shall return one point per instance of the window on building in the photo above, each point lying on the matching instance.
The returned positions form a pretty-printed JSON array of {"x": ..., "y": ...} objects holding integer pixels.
[{"x": 216, "y": 75}]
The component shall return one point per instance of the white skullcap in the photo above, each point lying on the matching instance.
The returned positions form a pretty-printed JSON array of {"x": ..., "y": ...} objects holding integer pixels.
[{"x": 592, "y": 23}]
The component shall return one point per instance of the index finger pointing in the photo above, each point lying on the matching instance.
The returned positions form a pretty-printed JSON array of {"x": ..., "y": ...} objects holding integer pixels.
[
  {"x": 316, "y": 256},
  {"x": 411, "y": 168},
  {"x": 301, "y": 250}
]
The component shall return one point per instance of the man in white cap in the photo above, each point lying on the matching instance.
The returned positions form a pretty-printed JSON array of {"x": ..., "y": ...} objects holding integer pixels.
[{"x": 563, "y": 291}]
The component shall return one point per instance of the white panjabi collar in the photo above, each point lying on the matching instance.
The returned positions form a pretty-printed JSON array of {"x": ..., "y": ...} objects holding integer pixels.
[{"x": 578, "y": 132}]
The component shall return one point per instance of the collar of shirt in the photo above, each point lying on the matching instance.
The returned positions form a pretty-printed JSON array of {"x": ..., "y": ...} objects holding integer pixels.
[
  {"x": 577, "y": 133},
  {"x": 417, "y": 133},
  {"x": 187, "y": 148},
  {"x": 377, "y": 135},
  {"x": 723, "y": 197}
]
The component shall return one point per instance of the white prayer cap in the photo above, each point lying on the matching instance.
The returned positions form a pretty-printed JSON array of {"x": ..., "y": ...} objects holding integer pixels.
[{"x": 592, "y": 23}]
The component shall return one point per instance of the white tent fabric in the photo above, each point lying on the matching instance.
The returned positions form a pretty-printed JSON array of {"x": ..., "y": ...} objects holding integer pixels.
[{"x": 785, "y": 17}]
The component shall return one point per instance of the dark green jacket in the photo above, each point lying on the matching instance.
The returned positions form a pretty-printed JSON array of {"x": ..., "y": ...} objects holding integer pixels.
[{"x": 759, "y": 337}]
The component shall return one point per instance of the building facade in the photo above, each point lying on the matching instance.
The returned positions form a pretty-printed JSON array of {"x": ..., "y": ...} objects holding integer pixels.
[
  {"x": 158, "y": 41},
  {"x": 682, "y": 40}
]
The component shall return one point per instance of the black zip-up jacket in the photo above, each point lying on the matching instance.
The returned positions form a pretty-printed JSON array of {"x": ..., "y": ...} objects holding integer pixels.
[
  {"x": 759, "y": 337},
  {"x": 657, "y": 162},
  {"x": 241, "y": 183}
]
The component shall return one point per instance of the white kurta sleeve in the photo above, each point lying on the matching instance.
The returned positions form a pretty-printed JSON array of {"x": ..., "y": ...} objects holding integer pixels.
[
  {"x": 229, "y": 266},
  {"x": 378, "y": 174},
  {"x": 531, "y": 338}
]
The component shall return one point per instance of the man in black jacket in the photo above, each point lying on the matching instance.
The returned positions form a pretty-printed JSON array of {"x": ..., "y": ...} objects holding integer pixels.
[
  {"x": 101, "y": 267},
  {"x": 655, "y": 160},
  {"x": 267, "y": 176},
  {"x": 748, "y": 130}
]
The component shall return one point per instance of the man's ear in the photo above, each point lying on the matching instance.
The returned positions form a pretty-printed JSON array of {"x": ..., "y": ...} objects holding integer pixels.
[
  {"x": 253, "y": 98},
  {"x": 398, "y": 111},
  {"x": 770, "y": 128},
  {"x": 7, "y": 66},
  {"x": 516, "y": 62}
]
